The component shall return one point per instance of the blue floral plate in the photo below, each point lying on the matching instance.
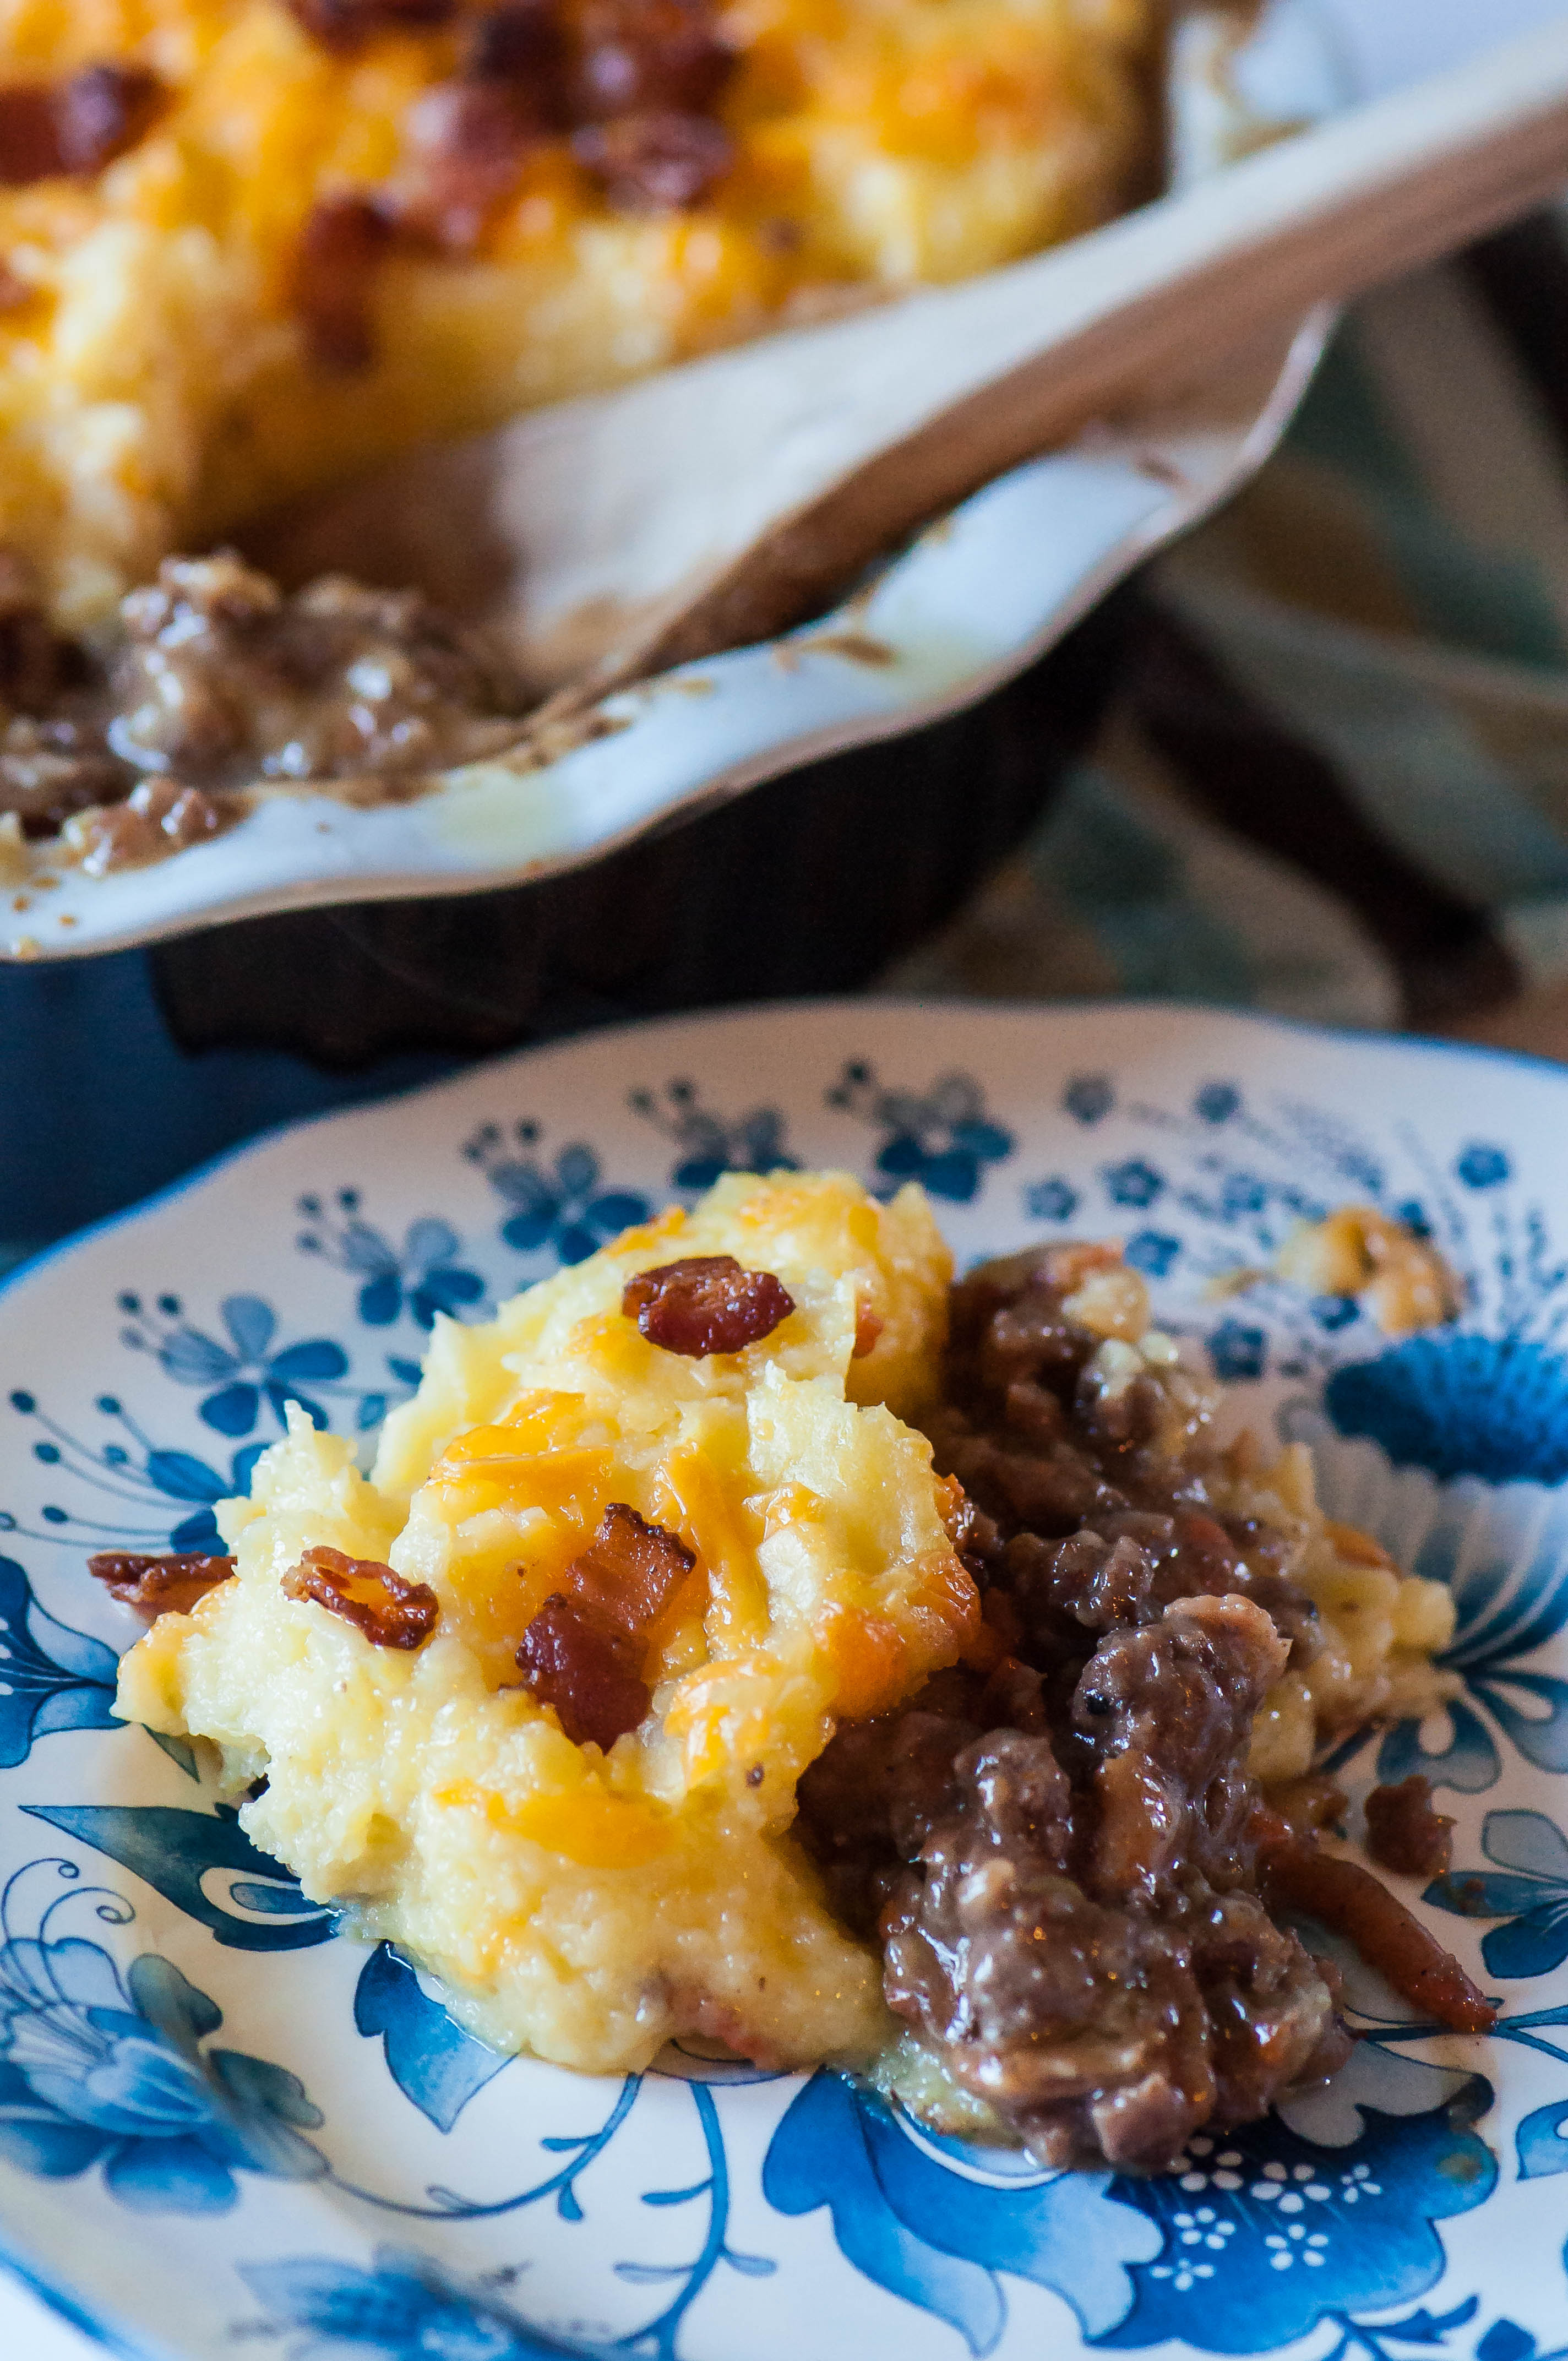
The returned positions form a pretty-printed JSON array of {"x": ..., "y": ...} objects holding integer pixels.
[{"x": 223, "y": 2129}]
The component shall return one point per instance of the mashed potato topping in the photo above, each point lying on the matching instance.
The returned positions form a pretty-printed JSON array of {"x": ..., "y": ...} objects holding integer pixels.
[
  {"x": 157, "y": 383},
  {"x": 583, "y": 1905},
  {"x": 696, "y": 1453}
]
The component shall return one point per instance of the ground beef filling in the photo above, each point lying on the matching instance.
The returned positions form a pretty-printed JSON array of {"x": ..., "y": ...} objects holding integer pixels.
[
  {"x": 1061, "y": 1855},
  {"x": 221, "y": 681}
]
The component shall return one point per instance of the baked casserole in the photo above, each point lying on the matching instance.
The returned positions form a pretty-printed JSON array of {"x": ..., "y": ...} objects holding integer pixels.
[{"x": 248, "y": 246}]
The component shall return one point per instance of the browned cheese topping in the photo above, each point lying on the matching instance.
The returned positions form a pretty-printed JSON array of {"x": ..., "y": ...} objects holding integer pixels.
[
  {"x": 75, "y": 125},
  {"x": 583, "y": 1653},
  {"x": 630, "y": 85},
  {"x": 706, "y": 1304},
  {"x": 158, "y": 1586},
  {"x": 389, "y": 1612}
]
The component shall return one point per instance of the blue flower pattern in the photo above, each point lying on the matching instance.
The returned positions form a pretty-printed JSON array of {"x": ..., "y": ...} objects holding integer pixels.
[
  {"x": 708, "y": 1143},
  {"x": 102, "y": 2069},
  {"x": 942, "y": 1137},
  {"x": 558, "y": 1205},
  {"x": 422, "y": 1275},
  {"x": 241, "y": 1370},
  {"x": 108, "y": 2066}
]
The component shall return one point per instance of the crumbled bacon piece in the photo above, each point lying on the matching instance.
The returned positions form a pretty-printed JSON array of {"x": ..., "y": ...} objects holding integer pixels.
[
  {"x": 655, "y": 163},
  {"x": 1296, "y": 1875},
  {"x": 334, "y": 270},
  {"x": 706, "y": 1304},
  {"x": 75, "y": 125},
  {"x": 467, "y": 141},
  {"x": 522, "y": 43},
  {"x": 389, "y": 1612},
  {"x": 869, "y": 1327},
  {"x": 649, "y": 57},
  {"x": 158, "y": 1586},
  {"x": 347, "y": 23},
  {"x": 14, "y": 292},
  {"x": 101, "y": 111},
  {"x": 1403, "y": 1833},
  {"x": 29, "y": 143},
  {"x": 582, "y": 1651}
]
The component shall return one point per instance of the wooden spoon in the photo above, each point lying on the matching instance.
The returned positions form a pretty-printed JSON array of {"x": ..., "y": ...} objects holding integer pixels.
[{"x": 718, "y": 503}]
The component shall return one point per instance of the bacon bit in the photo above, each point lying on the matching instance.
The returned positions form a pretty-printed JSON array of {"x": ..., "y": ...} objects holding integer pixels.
[
  {"x": 1355, "y": 1547},
  {"x": 14, "y": 292},
  {"x": 869, "y": 1327},
  {"x": 706, "y": 1304},
  {"x": 523, "y": 43},
  {"x": 29, "y": 142},
  {"x": 389, "y": 1612},
  {"x": 582, "y": 1651},
  {"x": 76, "y": 126},
  {"x": 655, "y": 163},
  {"x": 158, "y": 1586},
  {"x": 650, "y": 57},
  {"x": 1351, "y": 1900},
  {"x": 343, "y": 240},
  {"x": 1403, "y": 1833},
  {"x": 347, "y": 24},
  {"x": 101, "y": 111},
  {"x": 467, "y": 141}
]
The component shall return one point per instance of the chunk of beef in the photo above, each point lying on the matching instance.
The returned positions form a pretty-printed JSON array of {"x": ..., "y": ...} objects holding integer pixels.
[{"x": 1403, "y": 1831}]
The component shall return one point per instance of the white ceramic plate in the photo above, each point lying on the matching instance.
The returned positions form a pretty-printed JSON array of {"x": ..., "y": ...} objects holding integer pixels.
[
  {"x": 971, "y": 604},
  {"x": 224, "y": 2131}
]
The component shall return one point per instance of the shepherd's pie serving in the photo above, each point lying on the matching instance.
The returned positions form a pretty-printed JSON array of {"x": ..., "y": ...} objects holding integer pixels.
[{"x": 722, "y": 1648}]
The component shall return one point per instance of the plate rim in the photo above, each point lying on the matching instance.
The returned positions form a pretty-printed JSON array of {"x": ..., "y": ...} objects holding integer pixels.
[{"x": 54, "y": 2289}]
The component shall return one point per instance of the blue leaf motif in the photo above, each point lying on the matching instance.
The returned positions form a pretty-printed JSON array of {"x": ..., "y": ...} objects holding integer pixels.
[
  {"x": 194, "y": 1359},
  {"x": 316, "y": 1357},
  {"x": 576, "y": 1169},
  {"x": 232, "y": 1409},
  {"x": 51, "y": 1678},
  {"x": 430, "y": 1241},
  {"x": 433, "y": 2061},
  {"x": 527, "y": 1232},
  {"x": 280, "y": 1396},
  {"x": 954, "y": 1175},
  {"x": 175, "y": 1852},
  {"x": 1542, "y": 2141},
  {"x": 407, "y": 2309},
  {"x": 616, "y": 1210},
  {"x": 1468, "y": 1763},
  {"x": 1541, "y": 1738},
  {"x": 380, "y": 1299},
  {"x": 183, "y": 1476},
  {"x": 1531, "y": 1946},
  {"x": 819, "y": 2155},
  {"x": 1527, "y": 1841},
  {"x": 365, "y": 1249},
  {"x": 251, "y": 1322}
]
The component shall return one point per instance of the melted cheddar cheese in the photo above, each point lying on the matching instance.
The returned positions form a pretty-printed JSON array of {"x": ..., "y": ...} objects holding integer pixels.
[
  {"x": 584, "y": 1904},
  {"x": 155, "y": 388}
]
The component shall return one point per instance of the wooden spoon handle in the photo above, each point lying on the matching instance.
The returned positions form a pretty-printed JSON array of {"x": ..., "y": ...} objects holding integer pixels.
[{"x": 1148, "y": 306}]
